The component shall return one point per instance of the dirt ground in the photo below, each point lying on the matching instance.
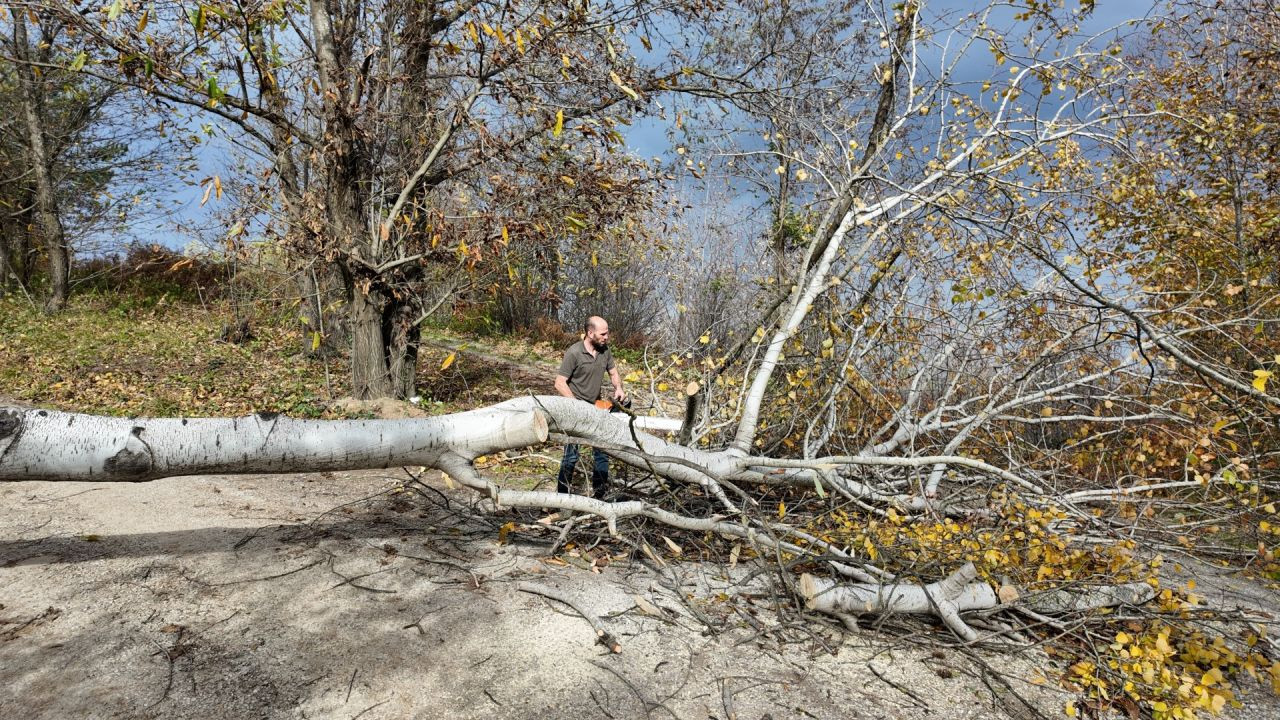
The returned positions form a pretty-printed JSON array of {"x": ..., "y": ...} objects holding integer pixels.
[{"x": 338, "y": 596}]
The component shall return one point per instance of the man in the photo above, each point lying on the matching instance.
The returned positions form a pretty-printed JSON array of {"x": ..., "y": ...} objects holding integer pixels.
[{"x": 580, "y": 376}]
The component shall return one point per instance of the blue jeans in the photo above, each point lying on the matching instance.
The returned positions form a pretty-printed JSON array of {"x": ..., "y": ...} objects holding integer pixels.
[{"x": 599, "y": 471}]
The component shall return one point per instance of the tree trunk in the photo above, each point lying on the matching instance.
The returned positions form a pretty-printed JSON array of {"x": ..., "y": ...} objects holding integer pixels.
[
  {"x": 370, "y": 372},
  {"x": 402, "y": 334},
  {"x": 47, "y": 218},
  {"x": 50, "y": 445}
]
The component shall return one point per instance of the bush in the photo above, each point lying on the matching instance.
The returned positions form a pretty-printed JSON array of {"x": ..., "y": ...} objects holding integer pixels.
[{"x": 151, "y": 273}]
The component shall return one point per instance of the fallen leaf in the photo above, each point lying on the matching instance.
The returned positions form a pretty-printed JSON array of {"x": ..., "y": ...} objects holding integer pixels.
[
  {"x": 647, "y": 607},
  {"x": 674, "y": 548}
]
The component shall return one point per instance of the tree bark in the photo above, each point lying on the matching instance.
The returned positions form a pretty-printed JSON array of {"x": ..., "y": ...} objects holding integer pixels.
[
  {"x": 51, "y": 445},
  {"x": 48, "y": 219}
]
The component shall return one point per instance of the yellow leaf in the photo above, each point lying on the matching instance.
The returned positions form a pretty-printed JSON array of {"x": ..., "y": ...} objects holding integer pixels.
[
  {"x": 595, "y": 260},
  {"x": 315, "y": 341},
  {"x": 706, "y": 338},
  {"x": 632, "y": 377},
  {"x": 448, "y": 361},
  {"x": 471, "y": 29},
  {"x": 555, "y": 131},
  {"x": 142, "y": 24},
  {"x": 506, "y": 237},
  {"x": 504, "y": 531},
  {"x": 663, "y": 387},
  {"x": 782, "y": 510},
  {"x": 1260, "y": 378},
  {"x": 1070, "y": 709},
  {"x": 618, "y": 81},
  {"x": 567, "y": 180},
  {"x": 217, "y": 187}
]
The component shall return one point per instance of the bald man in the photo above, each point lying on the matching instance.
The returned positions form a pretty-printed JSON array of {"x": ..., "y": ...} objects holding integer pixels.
[{"x": 581, "y": 376}]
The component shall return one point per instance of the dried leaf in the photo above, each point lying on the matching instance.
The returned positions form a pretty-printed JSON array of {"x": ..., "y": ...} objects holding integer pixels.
[
  {"x": 621, "y": 86},
  {"x": 647, "y": 607},
  {"x": 674, "y": 548},
  {"x": 448, "y": 361},
  {"x": 648, "y": 550}
]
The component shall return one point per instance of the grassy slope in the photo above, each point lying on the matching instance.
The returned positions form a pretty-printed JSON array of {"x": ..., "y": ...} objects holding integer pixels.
[{"x": 109, "y": 358}]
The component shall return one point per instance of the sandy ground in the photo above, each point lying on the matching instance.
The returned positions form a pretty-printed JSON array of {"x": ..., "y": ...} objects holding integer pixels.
[{"x": 332, "y": 596}]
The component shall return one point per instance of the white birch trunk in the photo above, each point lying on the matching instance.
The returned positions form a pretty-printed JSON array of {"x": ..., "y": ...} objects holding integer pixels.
[
  {"x": 51, "y": 445},
  {"x": 946, "y": 598}
]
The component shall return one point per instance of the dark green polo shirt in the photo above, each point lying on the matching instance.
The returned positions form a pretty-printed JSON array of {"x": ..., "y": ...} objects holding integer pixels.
[{"x": 585, "y": 373}]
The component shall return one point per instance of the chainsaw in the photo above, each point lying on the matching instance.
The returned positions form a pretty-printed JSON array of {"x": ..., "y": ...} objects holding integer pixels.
[{"x": 623, "y": 406}]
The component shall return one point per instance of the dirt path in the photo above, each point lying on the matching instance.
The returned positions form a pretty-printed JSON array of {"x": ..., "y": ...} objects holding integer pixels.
[
  {"x": 329, "y": 597},
  {"x": 334, "y": 596}
]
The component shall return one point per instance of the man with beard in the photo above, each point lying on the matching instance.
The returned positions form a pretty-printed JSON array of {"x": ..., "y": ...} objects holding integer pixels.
[{"x": 580, "y": 376}]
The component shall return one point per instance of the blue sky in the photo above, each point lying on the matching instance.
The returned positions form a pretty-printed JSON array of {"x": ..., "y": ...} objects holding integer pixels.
[{"x": 220, "y": 153}]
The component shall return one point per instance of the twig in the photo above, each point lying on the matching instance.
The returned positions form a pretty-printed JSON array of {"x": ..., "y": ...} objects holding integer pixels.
[
  {"x": 351, "y": 684},
  {"x": 726, "y": 698},
  {"x": 648, "y": 705},
  {"x": 64, "y": 497},
  {"x": 603, "y": 636},
  {"x": 268, "y": 577},
  {"x": 384, "y": 702},
  {"x": 564, "y": 533},
  {"x": 920, "y": 702}
]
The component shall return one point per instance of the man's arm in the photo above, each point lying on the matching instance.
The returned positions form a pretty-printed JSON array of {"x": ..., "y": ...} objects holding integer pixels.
[
  {"x": 618, "y": 392},
  {"x": 562, "y": 386}
]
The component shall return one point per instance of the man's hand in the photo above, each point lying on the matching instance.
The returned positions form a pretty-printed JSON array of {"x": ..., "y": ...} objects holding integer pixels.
[{"x": 618, "y": 393}]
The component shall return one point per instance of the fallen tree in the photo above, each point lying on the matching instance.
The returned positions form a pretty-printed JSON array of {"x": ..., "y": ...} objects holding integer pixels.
[{"x": 49, "y": 445}]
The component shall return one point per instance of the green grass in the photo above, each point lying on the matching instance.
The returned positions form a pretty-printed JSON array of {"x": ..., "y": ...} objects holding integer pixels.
[
  {"x": 120, "y": 358},
  {"x": 125, "y": 356}
]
